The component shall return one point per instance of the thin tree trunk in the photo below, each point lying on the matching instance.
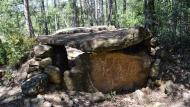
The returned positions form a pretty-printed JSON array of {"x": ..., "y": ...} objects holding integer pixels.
[
  {"x": 174, "y": 18},
  {"x": 45, "y": 29},
  {"x": 110, "y": 12},
  {"x": 27, "y": 18},
  {"x": 101, "y": 5},
  {"x": 115, "y": 14},
  {"x": 56, "y": 16},
  {"x": 17, "y": 20},
  {"x": 106, "y": 10},
  {"x": 73, "y": 5},
  {"x": 93, "y": 15},
  {"x": 124, "y": 6},
  {"x": 81, "y": 11}
]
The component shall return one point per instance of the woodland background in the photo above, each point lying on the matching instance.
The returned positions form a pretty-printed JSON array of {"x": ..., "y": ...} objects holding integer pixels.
[{"x": 22, "y": 20}]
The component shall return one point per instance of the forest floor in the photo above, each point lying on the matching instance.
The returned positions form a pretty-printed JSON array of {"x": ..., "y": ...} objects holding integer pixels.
[{"x": 167, "y": 95}]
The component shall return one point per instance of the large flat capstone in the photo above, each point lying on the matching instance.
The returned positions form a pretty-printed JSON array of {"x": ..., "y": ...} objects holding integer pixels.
[{"x": 97, "y": 39}]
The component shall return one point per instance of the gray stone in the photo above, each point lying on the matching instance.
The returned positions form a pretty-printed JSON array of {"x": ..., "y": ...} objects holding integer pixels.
[
  {"x": 2, "y": 72},
  {"x": 154, "y": 42},
  {"x": 42, "y": 51},
  {"x": 97, "y": 97},
  {"x": 45, "y": 62},
  {"x": 155, "y": 68},
  {"x": 21, "y": 75},
  {"x": 98, "y": 41},
  {"x": 84, "y": 30},
  {"x": 54, "y": 74},
  {"x": 30, "y": 75},
  {"x": 78, "y": 79},
  {"x": 46, "y": 104},
  {"x": 35, "y": 85},
  {"x": 33, "y": 63},
  {"x": 68, "y": 81}
]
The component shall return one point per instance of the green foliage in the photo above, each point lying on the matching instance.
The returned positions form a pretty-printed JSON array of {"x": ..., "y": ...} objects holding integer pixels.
[
  {"x": 111, "y": 95},
  {"x": 134, "y": 14},
  {"x": 172, "y": 19},
  {"x": 131, "y": 19},
  {"x": 2, "y": 54},
  {"x": 16, "y": 46},
  {"x": 8, "y": 74}
]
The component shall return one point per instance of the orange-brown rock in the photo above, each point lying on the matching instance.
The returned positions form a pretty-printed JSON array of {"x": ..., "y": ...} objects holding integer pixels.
[{"x": 114, "y": 70}]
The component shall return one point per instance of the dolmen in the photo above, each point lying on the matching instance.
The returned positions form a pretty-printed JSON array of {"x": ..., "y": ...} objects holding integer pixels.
[{"x": 91, "y": 59}]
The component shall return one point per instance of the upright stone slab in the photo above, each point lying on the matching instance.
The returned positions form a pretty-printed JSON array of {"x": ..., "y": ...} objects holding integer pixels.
[{"x": 111, "y": 59}]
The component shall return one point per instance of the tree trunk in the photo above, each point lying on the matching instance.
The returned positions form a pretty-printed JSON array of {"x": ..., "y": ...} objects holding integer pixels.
[
  {"x": 56, "y": 16},
  {"x": 45, "y": 29},
  {"x": 73, "y": 6},
  {"x": 115, "y": 14},
  {"x": 110, "y": 11},
  {"x": 174, "y": 18},
  {"x": 93, "y": 15},
  {"x": 149, "y": 11},
  {"x": 124, "y": 6},
  {"x": 106, "y": 10},
  {"x": 101, "y": 4},
  {"x": 27, "y": 18},
  {"x": 81, "y": 12}
]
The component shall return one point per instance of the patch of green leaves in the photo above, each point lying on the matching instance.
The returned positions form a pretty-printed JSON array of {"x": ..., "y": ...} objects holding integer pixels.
[
  {"x": 111, "y": 95},
  {"x": 16, "y": 46}
]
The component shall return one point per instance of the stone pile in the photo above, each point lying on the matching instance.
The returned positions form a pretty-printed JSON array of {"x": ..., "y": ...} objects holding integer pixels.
[{"x": 40, "y": 71}]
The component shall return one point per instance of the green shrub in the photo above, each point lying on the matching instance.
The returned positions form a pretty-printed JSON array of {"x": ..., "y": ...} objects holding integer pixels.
[
  {"x": 16, "y": 46},
  {"x": 2, "y": 54}
]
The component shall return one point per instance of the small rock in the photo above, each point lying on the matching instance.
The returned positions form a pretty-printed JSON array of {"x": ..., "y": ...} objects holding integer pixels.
[
  {"x": 2, "y": 73},
  {"x": 46, "y": 104},
  {"x": 56, "y": 105},
  {"x": 87, "y": 103},
  {"x": 21, "y": 75},
  {"x": 98, "y": 97},
  {"x": 40, "y": 97},
  {"x": 32, "y": 74},
  {"x": 68, "y": 81},
  {"x": 155, "y": 68},
  {"x": 35, "y": 85},
  {"x": 45, "y": 62},
  {"x": 53, "y": 97},
  {"x": 75, "y": 100},
  {"x": 33, "y": 63},
  {"x": 54, "y": 74},
  {"x": 42, "y": 51},
  {"x": 153, "y": 42},
  {"x": 152, "y": 51},
  {"x": 33, "y": 69},
  {"x": 170, "y": 88},
  {"x": 157, "y": 104}
]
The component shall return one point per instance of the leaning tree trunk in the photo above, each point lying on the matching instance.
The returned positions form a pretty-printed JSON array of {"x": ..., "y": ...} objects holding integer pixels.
[{"x": 27, "y": 18}]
